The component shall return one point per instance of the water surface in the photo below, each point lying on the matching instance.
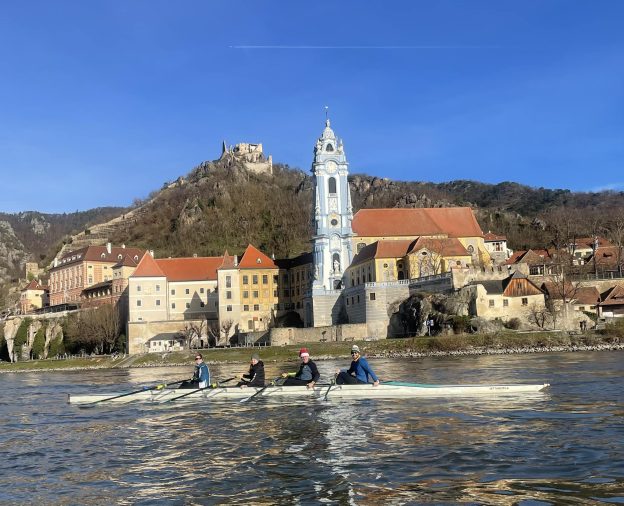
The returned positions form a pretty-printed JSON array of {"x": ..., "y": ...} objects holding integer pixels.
[{"x": 565, "y": 446}]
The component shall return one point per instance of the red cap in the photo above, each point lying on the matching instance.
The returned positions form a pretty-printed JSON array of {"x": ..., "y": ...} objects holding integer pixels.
[{"x": 303, "y": 350}]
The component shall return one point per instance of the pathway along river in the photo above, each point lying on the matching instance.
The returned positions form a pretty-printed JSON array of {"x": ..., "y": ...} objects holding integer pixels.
[{"x": 565, "y": 446}]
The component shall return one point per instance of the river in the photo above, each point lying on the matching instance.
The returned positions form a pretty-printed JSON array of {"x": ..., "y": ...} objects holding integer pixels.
[{"x": 565, "y": 446}]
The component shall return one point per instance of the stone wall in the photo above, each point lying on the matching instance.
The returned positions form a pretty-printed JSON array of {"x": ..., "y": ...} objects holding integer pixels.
[
  {"x": 138, "y": 333},
  {"x": 330, "y": 333}
]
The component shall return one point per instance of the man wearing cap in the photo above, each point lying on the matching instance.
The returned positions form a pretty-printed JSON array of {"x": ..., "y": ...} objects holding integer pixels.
[
  {"x": 307, "y": 374},
  {"x": 255, "y": 376},
  {"x": 359, "y": 371}
]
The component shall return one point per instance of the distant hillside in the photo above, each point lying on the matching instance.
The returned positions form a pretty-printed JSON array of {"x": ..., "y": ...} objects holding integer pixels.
[{"x": 221, "y": 205}]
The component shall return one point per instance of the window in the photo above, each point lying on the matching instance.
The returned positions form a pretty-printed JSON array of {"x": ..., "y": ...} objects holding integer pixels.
[
  {"x": 138, "y": 303},
  {"x": 329, "y": 147},
  {"x": 258, "y": 260},
  {"x": 265, "y": 279},
  {"x": 187, "y": 291},
  {"x": 581, "y": 308},
  {"x": 274, "y": 293},
  {"x": 372, "y": 296},
  {"x": 201, "y": 290},
  {"x": 255, "y": 294},
  {"x": 228, "y": 307},
  {"x": 228, "y": 294},
  {"x": 275, "y": 278},
  {"x": 332, "y": 184},
  {"x": 245, "y": 280},
  {"x": 491, "y": 301},
  {"x": 245, "y": 294},
  {"x": 256, "y": 307},
  {"x": 358, "y": 299},
  {"x": 158, "y": 288},
  {"x": 173, "y": 305},
  {"x": 188, "y": 305},
  {"x": 525, "y": 301},
  {"x": 228, "y": 281},
  {"x": 505, "y": 302},
  {"x": 158, "y": 302},
  {"x": 201, "y": 304},
  {"x": 246, "y": 307},
  {"x": 172, "y": 292},
  {"x": 254, "y": 279}
]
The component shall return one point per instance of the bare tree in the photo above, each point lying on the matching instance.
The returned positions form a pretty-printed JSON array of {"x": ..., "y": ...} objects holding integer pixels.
[
  {"x": 539, "y": 315},
  {"x": 224, "y": 334},
  {"x": 193, "y": 332},
  {"x": 615, "y": 231}
]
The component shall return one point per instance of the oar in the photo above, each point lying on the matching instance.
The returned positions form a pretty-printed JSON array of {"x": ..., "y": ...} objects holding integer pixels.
[
  {"x": 333, "y": 382},
  {"x": 260, "y": 391},
  {"x": 197, "y": 390},
  {"x": 144, "y": 389}
]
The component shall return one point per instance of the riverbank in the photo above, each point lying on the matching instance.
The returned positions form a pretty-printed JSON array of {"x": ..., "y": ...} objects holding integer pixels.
[{"x": 465, "y": 344}]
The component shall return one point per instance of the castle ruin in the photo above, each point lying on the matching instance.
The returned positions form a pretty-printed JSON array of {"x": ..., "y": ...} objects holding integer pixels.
[{"x": 250, "y": 155}]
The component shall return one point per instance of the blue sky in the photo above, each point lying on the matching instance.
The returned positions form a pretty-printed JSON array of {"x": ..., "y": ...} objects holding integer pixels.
[{"x": 103, "y": 101}]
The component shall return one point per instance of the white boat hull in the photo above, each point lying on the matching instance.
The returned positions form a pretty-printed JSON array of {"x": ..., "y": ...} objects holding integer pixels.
[{"x": 384, "y": 391}]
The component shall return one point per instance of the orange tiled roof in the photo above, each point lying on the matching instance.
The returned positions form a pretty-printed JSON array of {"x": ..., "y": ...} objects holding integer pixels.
[
  {"x": 179, "y": 269},
  {"x": 531, "y": 257},
  {"x": 253, "y": 258},
  {"x": 449, "y": 221},
  {"x": 587, "y": 295},
  {"x": 588, "y": 242},
  {"x": 34, "y": 285},
  {"x": 606, "y": 256},
  {"x": 493, "y": 237},
  {"x": 444, "y": 247},
  {"x": 383, "y": 249}
]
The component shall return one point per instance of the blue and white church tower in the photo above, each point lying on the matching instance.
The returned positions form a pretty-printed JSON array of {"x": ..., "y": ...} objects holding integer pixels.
[{"x": 333, "y": 213}]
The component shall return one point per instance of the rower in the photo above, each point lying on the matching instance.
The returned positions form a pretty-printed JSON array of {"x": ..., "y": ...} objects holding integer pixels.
[
  {"x": 201, "y": 376},
  {"x": 307, "y": 374},
  {"x": 359, "y": 371},
  {"x": 255, "y": 376}
]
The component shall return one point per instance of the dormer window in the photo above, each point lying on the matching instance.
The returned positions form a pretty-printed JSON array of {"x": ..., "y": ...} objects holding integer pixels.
[
  {"x": 103, "y": 255},
  {"x": 136, "y": 258},
  {"x": 258, "y": 260},
  {"x": 119, "y": 257}
]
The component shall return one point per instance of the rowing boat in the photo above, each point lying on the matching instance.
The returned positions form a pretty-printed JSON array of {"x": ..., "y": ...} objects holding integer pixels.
[{"x": 387, "y": 390}]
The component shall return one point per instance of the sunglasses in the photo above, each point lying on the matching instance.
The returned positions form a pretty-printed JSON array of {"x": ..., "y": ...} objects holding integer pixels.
[{"x": 197, "y": 358}]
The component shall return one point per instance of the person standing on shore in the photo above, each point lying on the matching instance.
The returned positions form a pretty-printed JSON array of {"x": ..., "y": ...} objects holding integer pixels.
[
  {"x": 307, "y": 374},
  {"x": 359, "y": 371},
  {"x": 255, "y": 376}
]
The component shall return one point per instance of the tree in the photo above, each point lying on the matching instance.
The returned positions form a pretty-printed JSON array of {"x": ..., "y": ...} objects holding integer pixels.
[
  {"x": 615, "y": 232},
  {"x": 94, "y": 330},
  {"x": 193, "y": 332},
  {"x": 538, "y": 315}
]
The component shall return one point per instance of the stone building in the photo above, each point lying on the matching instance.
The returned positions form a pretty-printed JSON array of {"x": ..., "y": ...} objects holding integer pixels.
[
  {"x": 33, "y": 296},
  {"x": 250, "y": 155}
]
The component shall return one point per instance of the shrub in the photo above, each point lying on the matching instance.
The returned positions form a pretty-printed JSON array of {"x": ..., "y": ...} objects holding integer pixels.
[
  {"x": 461, "y": 324},
  {"x": 39, "y": 344},
  {"x": 614, "y": 328},
  {"x": 512, "y": 323},
  {"x": 56, "y": 346}
]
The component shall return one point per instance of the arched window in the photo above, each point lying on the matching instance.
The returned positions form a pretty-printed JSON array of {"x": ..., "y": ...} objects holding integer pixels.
[
  {"x": 332, "y": 185},
  {"x": 329, "y": 147},
  {"x": 336, "y": 262}
]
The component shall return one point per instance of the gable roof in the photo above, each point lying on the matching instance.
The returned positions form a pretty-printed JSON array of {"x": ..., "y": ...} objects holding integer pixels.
[
  {"x": 489, "y": 236},
  {"x": 148, "y": 268},
  {"x": 614, "y": 296},
  {"x": 447, "y": 246},
  {"x": 34, "y": 285},
  {"x": 253, "y": 258},
  {"x": 190, "y": 269},
  {"x": 128, "y": 261},
  {"x": 530, "y": 257},
  {"x": 588, "y": 242},
  {"x": 508, "y": 286},
  {"x": 448, "y": 221},
  {"x": 383, "y": 249}
]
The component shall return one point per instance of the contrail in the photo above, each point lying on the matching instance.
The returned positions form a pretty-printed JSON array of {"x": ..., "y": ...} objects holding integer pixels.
[{"x": 360, "y": 47}]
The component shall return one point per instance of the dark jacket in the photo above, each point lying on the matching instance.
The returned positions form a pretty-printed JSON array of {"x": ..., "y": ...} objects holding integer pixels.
[
  {"x": 255, "y": 377},
  {"x": 301, "y": 373}
]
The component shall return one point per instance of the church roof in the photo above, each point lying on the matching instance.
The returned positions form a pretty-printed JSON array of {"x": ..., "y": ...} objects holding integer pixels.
[
  {"x": 444, "y": 246},
  {"x": 446, "y": 221},
  {"x": 253, "y": 258},
  {"x": 383, "y": 249}
]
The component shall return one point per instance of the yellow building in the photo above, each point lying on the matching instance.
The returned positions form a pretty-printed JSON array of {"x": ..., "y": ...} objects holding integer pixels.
[{"x": 33, "y": 296}]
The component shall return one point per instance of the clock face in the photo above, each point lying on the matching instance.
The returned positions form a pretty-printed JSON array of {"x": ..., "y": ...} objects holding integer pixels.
[{"x": 331, "y": 166}]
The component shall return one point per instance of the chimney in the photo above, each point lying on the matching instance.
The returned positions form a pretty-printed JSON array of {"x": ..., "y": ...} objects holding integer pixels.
[
  {"x": 55, "y": 262},
  {"x": 109, "y": 248},
  {"x": 151, "y": 252},
  {"x": 123, "y": 246},
  {"x": 235, "y": 260},
  {"x": 194, "y": 255},
  {"x": 273, "y": 256}
]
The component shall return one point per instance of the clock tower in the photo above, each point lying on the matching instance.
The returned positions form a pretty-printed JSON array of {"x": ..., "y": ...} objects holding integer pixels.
[{"x": 332, "y": 213}]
